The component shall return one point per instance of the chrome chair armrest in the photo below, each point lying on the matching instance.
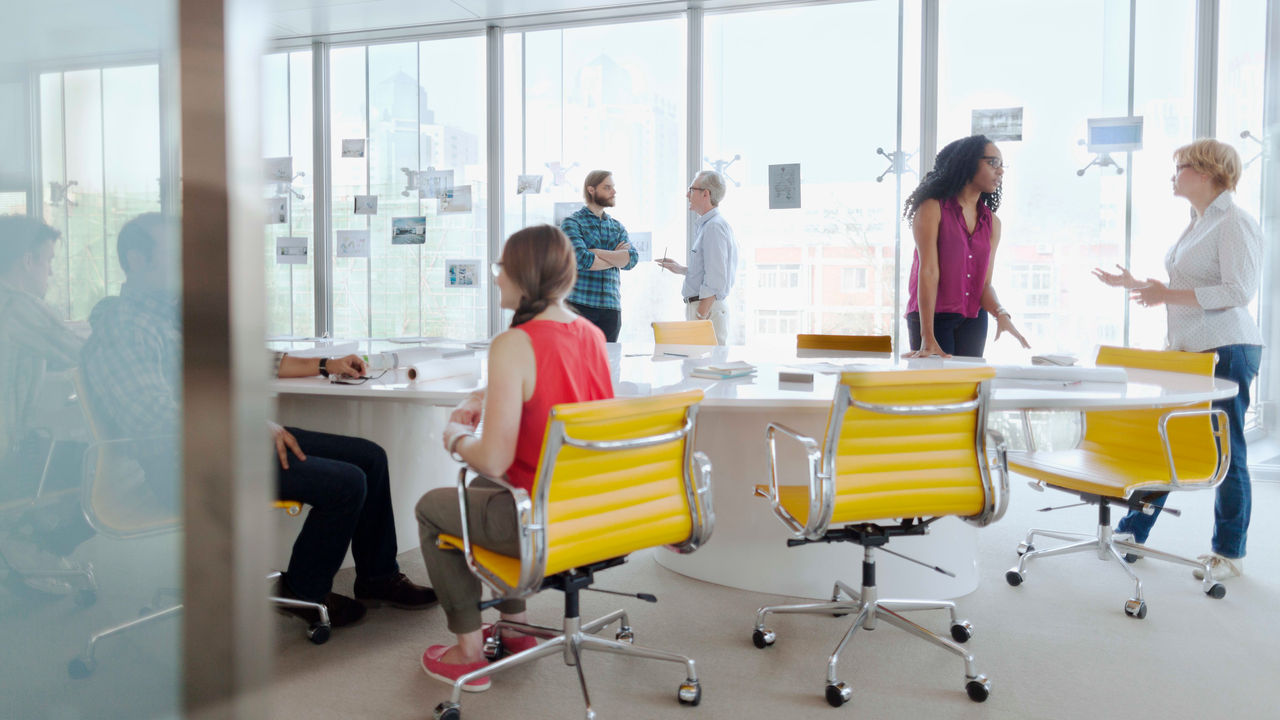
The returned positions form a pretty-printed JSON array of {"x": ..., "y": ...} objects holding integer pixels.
[
  {"x": 702, "y": 503},
  {"x": 821, "y": 490},
  {"x": 1219, "y": 433},
  {"x": 524, "y": 517},
  {"x": 1002, "y": 468}
]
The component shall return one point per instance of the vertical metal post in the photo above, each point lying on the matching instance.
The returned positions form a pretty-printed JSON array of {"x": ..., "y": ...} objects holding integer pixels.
[
  {"x": 494, "y": 150},
  {"x": 1128, "y": 177},
  {"x": 1206, "y": 87},
  {"x": 928, "y": 84},
  {"x": 897, "y": 195},
  {"x": 322, "y": 240},
  {"x": 226, "y": 647},
  {"x": 693, "y": 100},
  {"x": 1269, "y": 378}
]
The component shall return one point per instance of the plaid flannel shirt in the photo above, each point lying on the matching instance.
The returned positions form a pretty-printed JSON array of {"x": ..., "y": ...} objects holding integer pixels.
[
  {"x": 596, "y": 288},
  {"x": 132, "y": 363}
]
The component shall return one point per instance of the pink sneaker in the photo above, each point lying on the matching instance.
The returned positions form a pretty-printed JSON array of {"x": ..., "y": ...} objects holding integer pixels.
[
  {"x": 450, "y": 672},
  {"x": 512, "y": 645}
]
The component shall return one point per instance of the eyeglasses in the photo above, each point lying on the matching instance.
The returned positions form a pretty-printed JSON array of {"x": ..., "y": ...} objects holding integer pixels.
[
  {"x": 695, "y": 187},
  {"x": 995, "y": 162},
  {"x": 495, "y": 268}
]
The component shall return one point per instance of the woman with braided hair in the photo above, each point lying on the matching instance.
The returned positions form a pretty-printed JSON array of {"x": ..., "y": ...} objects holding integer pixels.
[
  {"x": 952, "y": 216},
  {"x": 550, "y": 355}
]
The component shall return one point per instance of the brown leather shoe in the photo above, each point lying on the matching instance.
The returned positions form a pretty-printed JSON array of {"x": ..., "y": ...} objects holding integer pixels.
[{"x": 397, "y": 591}]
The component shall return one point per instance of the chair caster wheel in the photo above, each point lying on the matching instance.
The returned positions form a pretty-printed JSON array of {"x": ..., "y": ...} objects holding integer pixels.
[
  {"x": 625, "y": 635},
  {"x": 1135, "y": 608},
  {"x": 85, "y": 597},
  {"x": 1013, "y": 577},
  {"x": 318, "y": 634},
  {"x": 80, "y": 667},
  {"x": 978, "y": 688},
  {"x": 763, "y": 638},
  {"x": 690, "y": 693},
  {"x": 1025, "y": 547},
  {"x": 447, "y": 711},
  {"x": 838, "y": 694},
  {"x": 1217, "y": 592},
  {"x": 962, "y": 631}
]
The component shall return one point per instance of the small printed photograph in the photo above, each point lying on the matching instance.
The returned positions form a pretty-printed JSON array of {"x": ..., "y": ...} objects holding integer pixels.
[
  {"x": 353, "y": 148},
  {"x": 998, "y": 124},
  {"x": 353, "y": 244},
  {"x": 565, "y": 209},
  {"x": 291, "y": 251},
  {"x": 277, "y": 210},
  {"x": 409, "y": 230},
  {"x": 457, "y": 199},
  {"x": 643, "y": 244},
  {"x": 462, "y": 273},
  {"x": 528, "y": 184},
  {"x": 434, "y": 183},
  {"x": 784, "y": 186},
  {"x": 279, "y": 169},
  {"x": 366, "y": 204}
]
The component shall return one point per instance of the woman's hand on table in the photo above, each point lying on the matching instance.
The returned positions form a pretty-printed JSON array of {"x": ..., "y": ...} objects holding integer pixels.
[{"x": 928, "y": 348}]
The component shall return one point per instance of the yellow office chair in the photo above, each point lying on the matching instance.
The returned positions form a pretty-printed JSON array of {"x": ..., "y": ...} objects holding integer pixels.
[
  {"x": 908, "y": 445},
  {"x": 616, "y": 476},
  {"x": 684, "y": 332},
  {"x": 846, "y": 343},
  {"x": 1127, "y": 458}
]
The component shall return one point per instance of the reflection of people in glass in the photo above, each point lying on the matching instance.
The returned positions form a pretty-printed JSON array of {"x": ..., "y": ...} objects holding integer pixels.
[
  {"x": 132, "y": 372},
  {"x": 33, "y": 340},
  {"x": 601, "y": 245},
  {"x": 1213, "y": 275},
  {"x": 549, "y": 356},
  {"x": 952, "y": 215}
]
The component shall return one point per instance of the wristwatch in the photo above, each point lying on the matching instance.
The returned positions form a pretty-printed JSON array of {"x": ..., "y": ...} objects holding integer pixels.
[{"x": 324, "y": 372}]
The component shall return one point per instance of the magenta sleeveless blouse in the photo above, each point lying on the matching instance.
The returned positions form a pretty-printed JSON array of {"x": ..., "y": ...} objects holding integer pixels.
[{"x": 962, "y": 262}]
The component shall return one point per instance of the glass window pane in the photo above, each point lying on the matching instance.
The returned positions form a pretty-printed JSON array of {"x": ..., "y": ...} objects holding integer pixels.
[
  {"x": 608, "y": 97},
  {"x": 760, "y": 112}
]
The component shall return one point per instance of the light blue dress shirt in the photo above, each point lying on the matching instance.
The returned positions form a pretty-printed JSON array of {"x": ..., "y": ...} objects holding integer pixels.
[{"x": 713, "y": 259}]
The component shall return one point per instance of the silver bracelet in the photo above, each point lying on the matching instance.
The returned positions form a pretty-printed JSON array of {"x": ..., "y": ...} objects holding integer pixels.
[{"x": 453, "y": 446}]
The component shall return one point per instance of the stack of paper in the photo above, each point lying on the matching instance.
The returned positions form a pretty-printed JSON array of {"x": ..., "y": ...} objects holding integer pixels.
[{"x": 724, "y": 371}]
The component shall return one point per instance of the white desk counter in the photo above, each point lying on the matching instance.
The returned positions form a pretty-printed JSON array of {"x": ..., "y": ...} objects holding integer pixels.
[{"x": 748, "y": 548}]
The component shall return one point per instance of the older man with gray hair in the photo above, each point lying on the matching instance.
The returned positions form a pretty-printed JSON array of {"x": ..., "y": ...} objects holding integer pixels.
[{"x": 713, "y": 258}]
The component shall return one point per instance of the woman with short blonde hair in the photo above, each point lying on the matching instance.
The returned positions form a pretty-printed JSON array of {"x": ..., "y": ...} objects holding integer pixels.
[{"x": 1214, "y": 270}]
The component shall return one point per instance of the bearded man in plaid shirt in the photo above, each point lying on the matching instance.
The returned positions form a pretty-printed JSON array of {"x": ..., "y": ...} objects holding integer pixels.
[{"x": 601, "y": 244}]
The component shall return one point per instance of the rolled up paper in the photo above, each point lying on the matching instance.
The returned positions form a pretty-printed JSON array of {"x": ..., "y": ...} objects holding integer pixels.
[{"x": 444, "y": 368}]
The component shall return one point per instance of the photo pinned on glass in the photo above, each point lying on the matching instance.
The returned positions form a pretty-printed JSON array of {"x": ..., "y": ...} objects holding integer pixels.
[
  {"x": 433, "y": 183},
  {"x": 643, "y": 244},
  {"x": 565, "y": 209},
  {"x": 366, "y": 205},
  {"x": 277, "y": 210},
  {"x": 353, "y": 148},
  {"x": 528, "y": 184},
  {"x": 409, "y": 230},
  {"x": 998, "y": 124},
  {"x": 352, "y": 244},
  {"x": 291, "y": 251},
  {"x": 457, "y": 199},
  {"x": 784, "y": 186},
  {"x": 279, "y": 169},
  {"x": 463, "y": 273}
]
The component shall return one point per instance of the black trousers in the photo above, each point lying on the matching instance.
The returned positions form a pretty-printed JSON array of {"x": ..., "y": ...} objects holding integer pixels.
[{"x": 609, "y": 321}]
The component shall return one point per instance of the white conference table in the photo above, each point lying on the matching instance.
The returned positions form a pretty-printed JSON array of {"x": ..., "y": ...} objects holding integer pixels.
[{"x": 748, "y": 547}]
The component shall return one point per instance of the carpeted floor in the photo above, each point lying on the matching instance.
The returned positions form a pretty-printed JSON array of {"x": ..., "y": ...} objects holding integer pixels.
[{"x": 1059, "y": 646}]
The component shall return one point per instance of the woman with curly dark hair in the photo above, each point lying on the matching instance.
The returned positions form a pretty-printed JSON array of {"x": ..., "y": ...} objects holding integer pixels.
[{"x": 952, "y": 216}]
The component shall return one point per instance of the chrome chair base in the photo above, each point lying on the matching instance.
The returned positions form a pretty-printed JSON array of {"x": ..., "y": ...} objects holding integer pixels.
[
  {"x": 83, "y": 665},
  {"x": 869, "y": 608},
  {"x": 571, "y": 643},
  {"x": 317, "y": 632},
  {"x": 1108, "y": 548}
]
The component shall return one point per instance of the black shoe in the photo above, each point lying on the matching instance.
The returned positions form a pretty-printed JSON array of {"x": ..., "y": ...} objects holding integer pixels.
[
  {"x": 397, "y": 591},
  {"x": 343, "y": 611}
]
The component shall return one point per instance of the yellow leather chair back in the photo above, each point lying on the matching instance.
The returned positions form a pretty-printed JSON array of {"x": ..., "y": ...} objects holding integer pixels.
[
  {"x": 685, "y": 332},
  {"x": 606, "y": 503},
  {"x": 1134, "y": 434},
  {"x": 847, "y": 343},
  {"x": 891, "y": 465},
  {"x": 114, "y": 495}
]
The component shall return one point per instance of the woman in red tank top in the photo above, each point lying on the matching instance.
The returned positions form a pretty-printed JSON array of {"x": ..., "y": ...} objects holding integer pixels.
[{"x": 549, "y": 356}]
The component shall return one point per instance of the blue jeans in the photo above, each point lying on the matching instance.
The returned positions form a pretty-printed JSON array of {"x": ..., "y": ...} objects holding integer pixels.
[
  {"x": 1238, "y": 363},
  {"x": 346, "y": 482},
  {"x": 955, "y": 333}
]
